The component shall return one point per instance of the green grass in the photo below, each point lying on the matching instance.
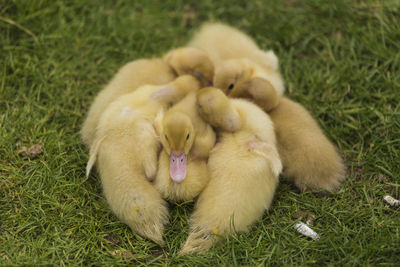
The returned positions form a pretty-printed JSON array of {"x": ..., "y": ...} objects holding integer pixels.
[{"x": 340, "y": 59}]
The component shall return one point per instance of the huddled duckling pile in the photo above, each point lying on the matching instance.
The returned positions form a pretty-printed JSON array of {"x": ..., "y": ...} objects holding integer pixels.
[{"x": 207, "y": 121}]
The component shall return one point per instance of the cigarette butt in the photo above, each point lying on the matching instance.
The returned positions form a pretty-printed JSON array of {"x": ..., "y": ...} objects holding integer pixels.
[
  {"x": 392, "y": 201},
  {"x": 303, "y": 229}
]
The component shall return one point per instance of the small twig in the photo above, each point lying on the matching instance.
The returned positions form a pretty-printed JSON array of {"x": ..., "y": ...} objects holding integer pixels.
[{"x": 20, "y": 27}]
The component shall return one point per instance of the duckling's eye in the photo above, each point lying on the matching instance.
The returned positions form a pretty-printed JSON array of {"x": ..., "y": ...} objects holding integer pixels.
[
  {"x": 197, "y": 74},
  {"x": 166, "y": 138},
  {"x": 230, "y": 87},
  {"x": 187, "y": 137}
]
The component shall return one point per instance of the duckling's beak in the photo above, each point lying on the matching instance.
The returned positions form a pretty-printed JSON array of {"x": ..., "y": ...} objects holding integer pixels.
[{"x": 177, "y": 166}]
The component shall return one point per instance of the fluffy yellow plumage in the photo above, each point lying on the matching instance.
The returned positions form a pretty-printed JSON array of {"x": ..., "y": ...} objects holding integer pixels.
[
  {"x": 223, "y": 43},
  {"x": 245, "y": 71},
  {"x": 129, "y": 77},
  {"x": 154, "y": 142},
  {"x": 187, "y": 140},
  {"x": 311, "y": 161},
  {"x": 243, "y": 78},
  {"x": 126, "y": 150},
  {"x": 193, "y": 61},
  {"x": 244, "y": 167}
]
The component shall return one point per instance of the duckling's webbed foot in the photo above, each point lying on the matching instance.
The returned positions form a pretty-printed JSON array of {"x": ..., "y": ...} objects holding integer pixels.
[
  {"x": 260, "y": 91},
  {"x": 215, "y": 107}
]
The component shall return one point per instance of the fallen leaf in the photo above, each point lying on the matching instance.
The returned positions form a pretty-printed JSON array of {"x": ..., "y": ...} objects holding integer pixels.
[
  {"x": 31, "y": 152},
  {"x": 116, "y": 252},
  {"x": 113, "y": 239},
  {"x": 124, "y": 254},
  {"x": 127, "y": 255}
]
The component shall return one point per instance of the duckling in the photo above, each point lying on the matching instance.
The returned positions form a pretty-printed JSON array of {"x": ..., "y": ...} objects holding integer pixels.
[
  {"x": 246, "y": 79},
  {"x": 222, "y": 42},
  {"x": 126, "y": 149},
  {"x": 244, "y": 167},
  {"x": 189, "y": 60},
  {"x": 310, "y": 160},
  {"x": 129, "y": 77},
  {"x": 242, "y": 71},
  {"x": 187, "y": 140}
]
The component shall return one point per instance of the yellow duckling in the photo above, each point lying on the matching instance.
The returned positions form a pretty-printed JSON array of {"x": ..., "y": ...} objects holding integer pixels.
[
  {"x": 308, "y": 157},
  {"x": 126, "y": 150},
  {"x": 246, "y": 79},
  {"x": 187, "y": 140},
  {"x": 193, "y": 61},
  {"x": 223, "y": 43},
  {"x": 245, "y": 71},
  {"x": 244, "y": 167},
  {"x": 129, "y": 77},
  {"x": 310, "y": 160}
]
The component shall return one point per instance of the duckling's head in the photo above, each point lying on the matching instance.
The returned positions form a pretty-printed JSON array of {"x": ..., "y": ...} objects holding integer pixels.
[
  {"x": 177, "y": 137},
  {"x": 216, "y": 108},
  {"x": 193, "y": 61},
  {"x": 232, "y": 75}
]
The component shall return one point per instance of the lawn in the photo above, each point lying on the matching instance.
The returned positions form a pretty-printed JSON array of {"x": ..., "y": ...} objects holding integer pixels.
[{"x": 340, "y": 59}]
